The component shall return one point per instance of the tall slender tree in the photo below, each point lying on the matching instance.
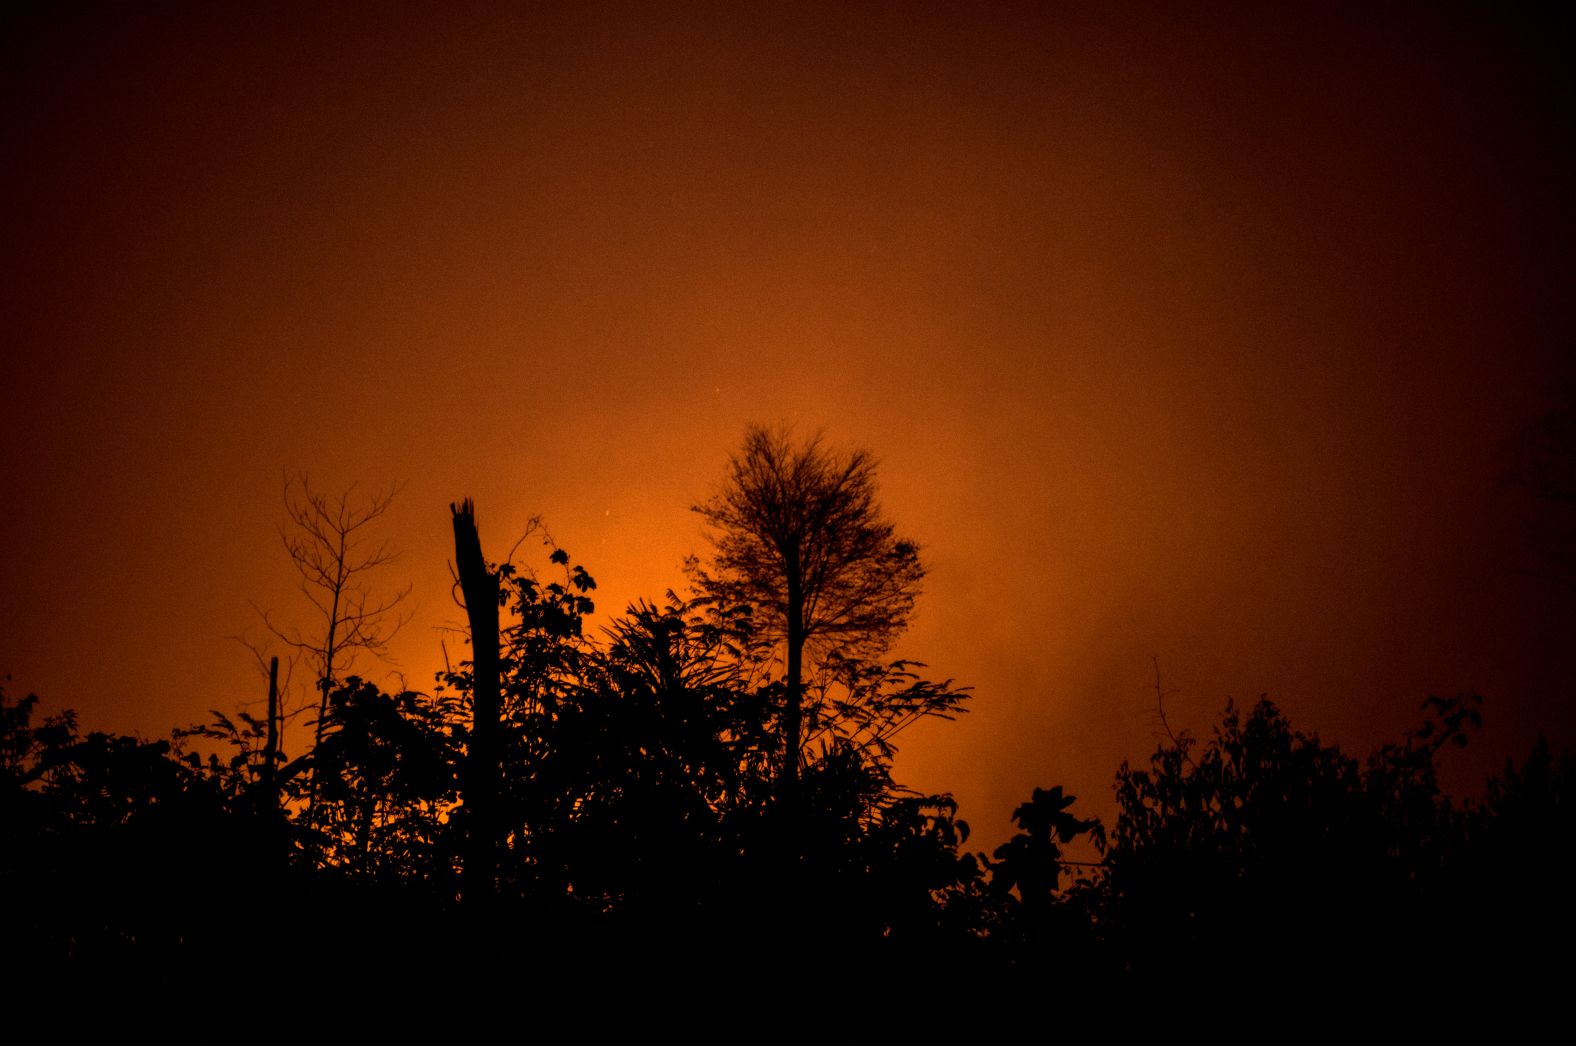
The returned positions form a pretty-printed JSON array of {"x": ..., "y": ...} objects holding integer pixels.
[{"x": 798, "y": 537}]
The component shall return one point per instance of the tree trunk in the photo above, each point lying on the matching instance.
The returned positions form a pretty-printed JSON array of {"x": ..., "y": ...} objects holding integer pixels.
[
  {"x": 793, "y": 708},
  {"x": 271, "y": 745},
  {"x": 480, "y": 588},
  {"x": 791, "y": 903}
]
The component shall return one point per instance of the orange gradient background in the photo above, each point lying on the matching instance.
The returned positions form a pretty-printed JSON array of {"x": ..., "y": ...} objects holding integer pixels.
[{"x": 1197, "y": 333}]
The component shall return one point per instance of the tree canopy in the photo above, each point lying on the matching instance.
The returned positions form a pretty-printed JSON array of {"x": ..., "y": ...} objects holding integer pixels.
[
  {"x": 798, "y": 518},
  {"x": 631, "y": 813},
  {"x": 800, "y": 541}
]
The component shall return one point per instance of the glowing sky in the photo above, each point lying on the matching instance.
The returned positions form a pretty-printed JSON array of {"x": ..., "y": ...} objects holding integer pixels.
[{"x": 1190, "y": 333}]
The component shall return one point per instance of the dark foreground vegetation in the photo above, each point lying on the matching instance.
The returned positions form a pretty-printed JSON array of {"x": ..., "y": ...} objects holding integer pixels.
[{"x": 569, "y": 810}]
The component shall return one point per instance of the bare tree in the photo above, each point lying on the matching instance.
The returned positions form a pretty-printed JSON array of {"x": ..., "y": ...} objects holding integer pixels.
[
  {"x": 798, "y": 537},
  {"x": 329, "y": 545},
  {"x": 479, "y": 584}
]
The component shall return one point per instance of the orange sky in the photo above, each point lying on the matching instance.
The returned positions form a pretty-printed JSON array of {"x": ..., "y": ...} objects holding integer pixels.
[{"x": 1187, "y": 333}]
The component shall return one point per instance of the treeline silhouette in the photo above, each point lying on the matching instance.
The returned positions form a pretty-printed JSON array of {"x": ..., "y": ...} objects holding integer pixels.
[
  {"x": 616, "y": 809},
  {"x": 643, "y": 830}
]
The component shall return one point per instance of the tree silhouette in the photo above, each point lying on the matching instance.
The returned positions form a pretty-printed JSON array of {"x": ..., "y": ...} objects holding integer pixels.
[
  {"x": 1038, "y": 929},
  {"x": 665, "y": 791},
  {"x": 479, "y": 585},
  {"x": 386, "y": 771},
  {"x": 332, "y": 554},
  {"x": 1519, "y": 868},
  {"x": 1263, "y": 854},
  {"x": 120, "y": 858},
  {"x": 799, "y": 538}
]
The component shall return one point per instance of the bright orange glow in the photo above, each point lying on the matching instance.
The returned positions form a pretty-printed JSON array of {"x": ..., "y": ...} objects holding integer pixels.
[{"x": 1202, "y": 338}]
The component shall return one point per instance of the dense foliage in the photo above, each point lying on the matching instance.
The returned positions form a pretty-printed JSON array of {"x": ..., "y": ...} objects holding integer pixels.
[
  {"x": 642, "y": 833},
  {"x": 641, "y": 823}
]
